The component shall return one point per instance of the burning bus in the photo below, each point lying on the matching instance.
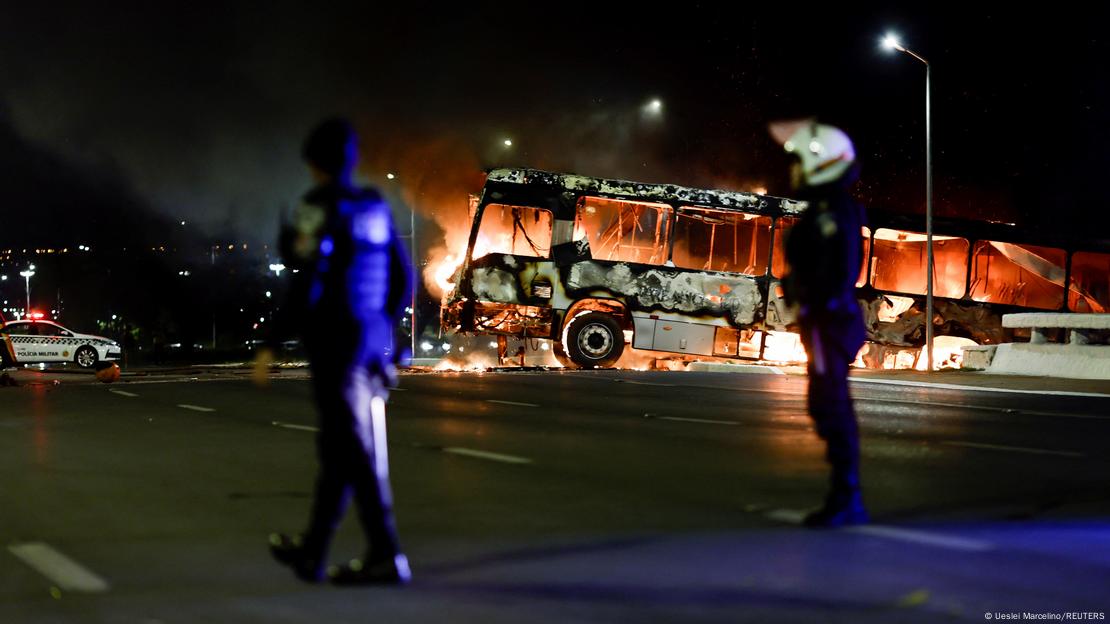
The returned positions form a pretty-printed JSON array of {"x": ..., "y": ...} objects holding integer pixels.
[{"x": 596, "y": 264}]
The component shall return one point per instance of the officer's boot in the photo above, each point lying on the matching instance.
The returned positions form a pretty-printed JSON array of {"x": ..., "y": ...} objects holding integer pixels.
[
  {"x": 843, "y": 504},
  {"x": 303, "y": 555},
  {"x": 384, "y": 563}
]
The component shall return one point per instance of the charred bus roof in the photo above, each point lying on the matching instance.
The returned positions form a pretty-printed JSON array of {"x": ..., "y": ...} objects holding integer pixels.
[
  {"x": 985, "y": 230},
  {"x": 641, "y": 191},
  {"x": 538, "y": 183}
]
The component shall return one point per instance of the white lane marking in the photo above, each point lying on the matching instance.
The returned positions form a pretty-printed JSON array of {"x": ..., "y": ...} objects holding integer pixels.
[
  {"x": 793, "y": 516},
  {"x": 498, "y": 457},
  {"x": 511, "y": 403},
  {"x": 983, "y": 408},
  {"x": 65, "y": 572},
  {"x": 920, "y": 384},
  {"x": 123, "y": 393},
  {"x": 195, "y": 408},
  {"x": 1015, "y": 449},
  {"x": 699, "y": 420},
  {"x": 148, "y": 382},
  {"x": 644, "y": 383},
  {"x": 789, "y": 516},
  {"x": 297, "y": 427},
  {"x": 921, "y": 537}
]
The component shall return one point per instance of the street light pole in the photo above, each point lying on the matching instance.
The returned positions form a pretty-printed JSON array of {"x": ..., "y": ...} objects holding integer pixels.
[
  {"x": 416, "y": 274},
  {"x": 928, "y": 224},
  {"x": 27, "y": 276},
  {"x": 891, "y": 43}
]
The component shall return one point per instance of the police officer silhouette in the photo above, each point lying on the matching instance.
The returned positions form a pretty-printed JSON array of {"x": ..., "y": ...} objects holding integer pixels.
[
  {"x": 352, "y": 283},
  {"x": 825, "y": 251}
]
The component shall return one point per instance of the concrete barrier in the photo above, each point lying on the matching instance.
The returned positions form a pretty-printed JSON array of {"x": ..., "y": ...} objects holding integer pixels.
[{"x": 1084, "y": 356}]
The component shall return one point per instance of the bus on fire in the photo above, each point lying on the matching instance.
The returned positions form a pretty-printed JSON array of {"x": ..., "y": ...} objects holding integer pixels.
[{"x": 594, "y": 264}]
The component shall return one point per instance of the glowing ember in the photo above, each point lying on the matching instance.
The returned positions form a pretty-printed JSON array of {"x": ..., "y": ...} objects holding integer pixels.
[{"x": 947, "y": 352}]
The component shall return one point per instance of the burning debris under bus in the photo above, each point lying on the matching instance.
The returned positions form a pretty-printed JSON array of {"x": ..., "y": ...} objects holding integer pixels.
[{"x": 594, "y": 265}]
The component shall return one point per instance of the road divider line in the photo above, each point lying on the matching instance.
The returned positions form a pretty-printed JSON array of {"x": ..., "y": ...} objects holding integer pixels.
[
  {"x": 789, "y": 516},
  {"x": 297, "y": 427},
  {"x": 195, "y": 408},
  {"x": 65, "y": 572},
  {"x": 1017, "y": 411},
  {"x": 511, "y": 403},
  {"x": 706, "y": 421},
  {"x": 497, "y": 457},
  {"x": 924, "y": 538},
  {"x": 921, "y": 537},
  {"x": 944, "y": 386},
  {"x": 1014, "y": 449},
  {"x": 123, "y": 393},
  {"x": 149, "y": 382}
]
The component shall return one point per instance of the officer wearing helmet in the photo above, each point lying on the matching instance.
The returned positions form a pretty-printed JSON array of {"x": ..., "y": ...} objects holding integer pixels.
[
  {"x": 352, "y": 282},
  {"x": 824, "y": 251}
]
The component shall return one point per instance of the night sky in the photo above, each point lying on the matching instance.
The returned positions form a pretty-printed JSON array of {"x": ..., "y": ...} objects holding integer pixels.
[{"x": 137, "y": 118}]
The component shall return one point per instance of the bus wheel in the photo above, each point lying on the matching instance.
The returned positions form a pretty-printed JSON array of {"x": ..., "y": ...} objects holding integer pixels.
[
  {"x": 594, "y": 340},
  {"x": 561, "y": 355}
]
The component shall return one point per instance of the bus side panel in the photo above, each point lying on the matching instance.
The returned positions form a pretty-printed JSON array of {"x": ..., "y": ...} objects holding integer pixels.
[{"x": 698, "y": 296}]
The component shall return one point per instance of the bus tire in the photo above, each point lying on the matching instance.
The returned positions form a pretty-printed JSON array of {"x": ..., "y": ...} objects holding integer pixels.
[
  {"x": 561, "y": 355},
  {"x": 594, "y": 340}
]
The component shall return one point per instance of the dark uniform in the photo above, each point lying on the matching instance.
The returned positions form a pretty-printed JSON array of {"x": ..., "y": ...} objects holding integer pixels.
[
  {"x": 825, "y": 250},
  {"x": 352, "y": 283}
]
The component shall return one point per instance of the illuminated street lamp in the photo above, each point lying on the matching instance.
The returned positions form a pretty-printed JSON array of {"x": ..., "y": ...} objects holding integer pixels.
[
  {"x": 508, "y": 142},
  {"x": 890, "y": 42},
  {"x": 27, "y": 275}
]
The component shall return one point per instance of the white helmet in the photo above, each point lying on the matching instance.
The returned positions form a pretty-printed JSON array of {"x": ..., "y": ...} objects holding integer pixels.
[{"x": 825, "y": 151}]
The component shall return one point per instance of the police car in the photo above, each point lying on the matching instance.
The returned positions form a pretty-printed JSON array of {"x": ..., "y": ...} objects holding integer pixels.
[{"x": 37, "y": 341}]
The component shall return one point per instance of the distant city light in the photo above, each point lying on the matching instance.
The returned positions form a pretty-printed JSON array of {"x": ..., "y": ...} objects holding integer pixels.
[
  {"x": 425, "y": 346},
  {"x": 760, "y": 190},
  {"x": 493, "y": 344},
  {"x": 268, "y": 294},
  {"x": 278, "y": 268},
  {"x": 261, "y": 319},
  {"x": 390, "y": 176},
  {"x": 654, "y": 107},
  {"x": 508, "y": 142},
  {"x": 182, "y": 223}
]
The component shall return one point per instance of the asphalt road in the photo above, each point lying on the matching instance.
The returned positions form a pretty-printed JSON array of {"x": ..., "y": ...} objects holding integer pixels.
[{"x": 556, "y": 497}]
